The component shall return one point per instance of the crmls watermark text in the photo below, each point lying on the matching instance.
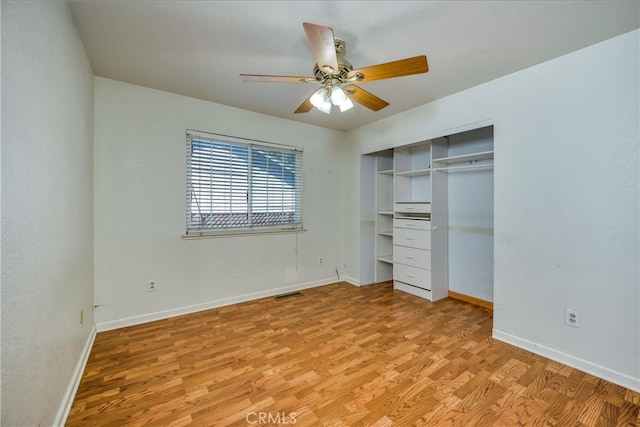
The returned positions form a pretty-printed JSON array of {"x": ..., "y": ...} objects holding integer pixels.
[{"x": 270, "y": 418}]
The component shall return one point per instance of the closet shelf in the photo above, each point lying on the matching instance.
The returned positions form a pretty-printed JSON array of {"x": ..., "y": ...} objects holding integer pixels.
[
  {"x": 419, "y": 172},
  {"x": 485, "y": 155},
  {"x": 385, "y": 212},
  {"x": 386, "y": 258},
  {"x": 386, "y": 172}
]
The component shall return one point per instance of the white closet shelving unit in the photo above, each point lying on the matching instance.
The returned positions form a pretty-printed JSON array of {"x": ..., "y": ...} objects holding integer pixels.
[
  {"x": 412, "y": 178},
  {"x": 384, "y": 216},
  {"x": 412, "y": 232},
  {"x": 434, "y": 216}
]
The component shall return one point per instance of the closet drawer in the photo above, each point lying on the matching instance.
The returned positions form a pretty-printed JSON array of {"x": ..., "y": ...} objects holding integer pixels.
[
  {"x": 412, "y": 275},
  {"x": 420, "y": 258},
  {"x": 412, "y": 207},
  {"x": 414, "y": 290},
  {"x": 416, "y": 224},
  {"x": 420, "y": 239}
]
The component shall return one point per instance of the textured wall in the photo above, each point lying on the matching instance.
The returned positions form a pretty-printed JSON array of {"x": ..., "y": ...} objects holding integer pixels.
[{"x": 47, "y": 208}]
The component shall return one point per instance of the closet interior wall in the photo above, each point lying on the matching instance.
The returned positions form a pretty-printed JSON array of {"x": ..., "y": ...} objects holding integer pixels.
[{"x": 464, "y": 184}]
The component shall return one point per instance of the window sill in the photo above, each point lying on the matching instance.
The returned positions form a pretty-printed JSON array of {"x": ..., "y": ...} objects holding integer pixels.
[{"x": 239, "y": 233}]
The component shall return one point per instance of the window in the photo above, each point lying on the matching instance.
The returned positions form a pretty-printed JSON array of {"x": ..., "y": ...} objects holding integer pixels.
[{"x": 238, "y": 186}]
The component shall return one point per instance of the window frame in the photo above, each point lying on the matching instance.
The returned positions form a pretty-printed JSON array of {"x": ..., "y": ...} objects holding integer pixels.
[{"x": 251, "y": 201}]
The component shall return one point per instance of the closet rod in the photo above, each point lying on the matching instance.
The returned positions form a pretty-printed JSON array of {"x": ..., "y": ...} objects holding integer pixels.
[{"x": 460, "y": 168}]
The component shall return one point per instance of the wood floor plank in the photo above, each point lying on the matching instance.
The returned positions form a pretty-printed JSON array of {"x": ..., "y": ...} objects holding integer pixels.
[{"x": 338, "y": 355}]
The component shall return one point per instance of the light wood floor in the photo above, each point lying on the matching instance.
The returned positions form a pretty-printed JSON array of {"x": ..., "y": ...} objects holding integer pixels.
[{"x": 337, "y": 356}]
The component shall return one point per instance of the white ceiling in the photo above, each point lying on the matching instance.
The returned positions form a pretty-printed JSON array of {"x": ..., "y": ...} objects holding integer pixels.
[{"x": 198, "y": 48}]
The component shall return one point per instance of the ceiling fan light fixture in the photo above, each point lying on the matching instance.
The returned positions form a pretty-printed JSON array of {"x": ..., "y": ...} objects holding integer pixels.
[
  {"x": 321, "y": 100},
  {"x": 325, "y": 107},
  {"x": 339, "y": 98},
  {"x": 324, "y": 97},
  {"x": 346, "y": 105},
  {"x": 337, "y": 95},
  {"x": 318, "y": 97}
]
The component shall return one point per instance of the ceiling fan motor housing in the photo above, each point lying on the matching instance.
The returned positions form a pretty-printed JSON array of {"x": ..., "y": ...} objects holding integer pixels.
[{"x": 344, "y": 66}]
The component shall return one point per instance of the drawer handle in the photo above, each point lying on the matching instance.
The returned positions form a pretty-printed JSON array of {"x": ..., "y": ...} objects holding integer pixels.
[
  {"x": 409, "y": 238},
  {"x": 410, "y": 257},
  {"x": 409, "y": 225},
  {"x": 410, "y": 209},
  {"x": 411, "y": 275}
]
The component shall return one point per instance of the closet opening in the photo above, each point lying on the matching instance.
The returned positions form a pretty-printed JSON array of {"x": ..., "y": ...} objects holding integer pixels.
[{"x": 427, "y": 217}]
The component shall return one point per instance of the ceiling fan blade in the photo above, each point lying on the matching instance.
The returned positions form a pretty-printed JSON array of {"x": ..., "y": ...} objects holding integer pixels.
[
  {"x": 305, "y": 107},
  {"x": 276, "y": 79},
  {"x": 365, "y": 98},
  {"x": 323, "y": 46},
  {"x": 402, "y": 67}
]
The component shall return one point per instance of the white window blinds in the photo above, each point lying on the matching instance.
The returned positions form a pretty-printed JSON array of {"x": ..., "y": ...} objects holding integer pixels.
[{"x": 235, "y": 185}]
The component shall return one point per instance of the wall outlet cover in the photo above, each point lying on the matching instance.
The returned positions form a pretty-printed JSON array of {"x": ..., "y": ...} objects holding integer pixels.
[{"x": 572, "y": 317}]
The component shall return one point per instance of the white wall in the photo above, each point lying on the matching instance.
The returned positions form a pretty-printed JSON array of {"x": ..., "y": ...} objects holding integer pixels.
[
  {"x": 47, "y": 211},
  {"x": 140, "y": 201},
  {"x": 566, "y": 200}
]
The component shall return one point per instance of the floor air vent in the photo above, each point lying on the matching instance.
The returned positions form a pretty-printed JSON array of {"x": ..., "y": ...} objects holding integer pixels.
[{"x": 287, "y": 296}]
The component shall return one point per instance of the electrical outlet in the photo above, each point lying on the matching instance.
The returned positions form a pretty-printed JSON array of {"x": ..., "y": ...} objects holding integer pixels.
[
  {"x": 152, "y": 286},
  {"x": 320, "y": 260},
  {"x": 81, "y": 316},
  {"x": 572, "y": 317}
]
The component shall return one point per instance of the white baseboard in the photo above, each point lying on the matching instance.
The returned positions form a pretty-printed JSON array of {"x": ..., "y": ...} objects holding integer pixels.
[
  {"x": 351, "y": 280},
  {"x": 602, "y": 372},
  {"x": 165, "y": 314},
  {"x": 70, "y": 394}
]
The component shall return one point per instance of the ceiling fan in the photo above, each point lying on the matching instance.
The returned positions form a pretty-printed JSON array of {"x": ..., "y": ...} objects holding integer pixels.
[{"x": 336, "y": 75}]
